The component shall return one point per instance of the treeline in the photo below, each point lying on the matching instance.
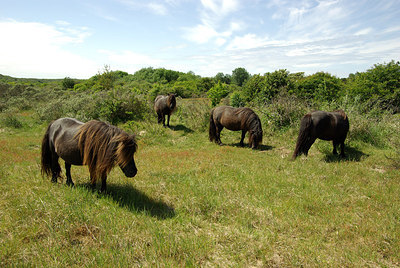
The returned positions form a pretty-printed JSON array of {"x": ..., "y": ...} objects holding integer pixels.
[
  {"x": 380, "y": 84},
  {"x": 117, "y": 96}
]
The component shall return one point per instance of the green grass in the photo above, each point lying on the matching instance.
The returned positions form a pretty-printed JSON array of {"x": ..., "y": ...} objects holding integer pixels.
[{"x": 194, "y": 203}]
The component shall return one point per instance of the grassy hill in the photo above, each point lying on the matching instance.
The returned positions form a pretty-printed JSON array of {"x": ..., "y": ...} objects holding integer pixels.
[{"x": 194, "y": 203}]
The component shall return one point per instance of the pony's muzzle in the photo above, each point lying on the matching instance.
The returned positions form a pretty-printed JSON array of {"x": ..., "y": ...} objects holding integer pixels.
[{"x": 130, "y": 170}]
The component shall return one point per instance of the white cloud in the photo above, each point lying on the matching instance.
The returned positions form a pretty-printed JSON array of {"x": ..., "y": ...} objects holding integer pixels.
[
  {"x": 36, "y": 50},
  {"x": 212, "y": 28},
  {"x": 200, "y": 34},
  {"x": 247, "y": 41},
  {"x": 129, "y": 61},
  {"x": 221, "y": 6},
  {"x": 364, "y": 31},
  {"x": 157, "y": 8}
]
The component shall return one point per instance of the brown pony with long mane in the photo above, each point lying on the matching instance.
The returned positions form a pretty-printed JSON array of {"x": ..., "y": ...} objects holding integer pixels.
[
  {"x": 235, "y": 119},
  {"x": 164, "y": 105},
  {"x": 330, "y": 126},
  {"x": 96, "y": 144}
]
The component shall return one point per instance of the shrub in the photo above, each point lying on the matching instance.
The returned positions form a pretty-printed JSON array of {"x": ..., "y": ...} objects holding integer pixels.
[
  {"x": 67, "y": 83},
  {"x": 284, "y": 111},
  {"x": 216, "y": 93},
  {"x": 10, "y": 120},
  {"x": 237, "y": 99}
]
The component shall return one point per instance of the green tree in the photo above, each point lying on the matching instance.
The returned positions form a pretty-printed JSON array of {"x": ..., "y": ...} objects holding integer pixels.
[
  {"x": 223, "y": 78},
  {"x": 275, "y": 82},
  {"x": 67, "y": 83},
  {"x": 106, "y": 78},
  {"x": 253, "y": 87},
  {"x": 216, "y": 93},
  {"x": 380, "y": 83},
  {"x": 320, "y": 87},
  {"x": 237, "y": 99},
  {"x": 240, "y": 76}
]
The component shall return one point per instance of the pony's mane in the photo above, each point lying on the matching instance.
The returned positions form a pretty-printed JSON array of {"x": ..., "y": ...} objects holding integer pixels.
[
  {"x": 171, "y": 99},
  {"x": 254, "y": 124},
  {"x": 103, "y": 145}
]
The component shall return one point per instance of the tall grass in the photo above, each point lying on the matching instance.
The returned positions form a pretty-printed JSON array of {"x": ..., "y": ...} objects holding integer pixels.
[{"x": 194, "y": 203}]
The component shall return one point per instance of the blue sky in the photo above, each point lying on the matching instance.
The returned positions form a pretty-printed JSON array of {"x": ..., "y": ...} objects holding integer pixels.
[{"x": 77, "y": 38}]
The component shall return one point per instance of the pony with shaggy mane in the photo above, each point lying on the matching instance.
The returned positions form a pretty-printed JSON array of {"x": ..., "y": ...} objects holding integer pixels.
[
  {"x": 329, "y": 126},
  {"x": 235, "y": 119},
  {"x": 96, "y": 144}
]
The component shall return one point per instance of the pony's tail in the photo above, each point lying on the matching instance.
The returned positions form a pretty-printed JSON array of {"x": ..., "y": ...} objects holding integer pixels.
[
  {"x": 47, "y": 164},
  {"x": 212, "y": 132},
  {"x": 304, "y": 136}
]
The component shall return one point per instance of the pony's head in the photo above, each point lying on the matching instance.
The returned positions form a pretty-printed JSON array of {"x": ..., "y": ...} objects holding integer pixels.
[
  {"x": 125, "y": 148},
  {"x": 171, "y": 101},
  {"x": 256, "y": 133},
  {"x": 103, "y": 146}
]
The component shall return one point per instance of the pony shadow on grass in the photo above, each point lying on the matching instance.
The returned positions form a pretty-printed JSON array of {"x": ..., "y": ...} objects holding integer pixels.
[
  {"x": 352, "y": 155},
  {"x": 181, "y": 127},
  {"x": 261, "y": 147},
  {"x": 137, "y": 201}
]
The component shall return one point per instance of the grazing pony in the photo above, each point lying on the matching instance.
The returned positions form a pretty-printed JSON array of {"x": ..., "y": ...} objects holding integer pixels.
[
  {"x": 329, "y": 126},
  {"x": 164, "y": 105},
  {"x": 96, "y": 144},
  {"x": 235, "y": 119}
]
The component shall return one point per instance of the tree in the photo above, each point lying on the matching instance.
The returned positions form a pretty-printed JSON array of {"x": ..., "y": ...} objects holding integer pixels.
[
  {"x": 223, "y": 78},
  {"x": 253, "y": 87},
  {"x": 319, "y": 86},
  {"x": 380, "y": 83},
  {"x": 67, "y": 83},
  {"x": 216, "y": 93},
  {"x": 106, "y": 79},
  {"x": 240, "y": 76}
]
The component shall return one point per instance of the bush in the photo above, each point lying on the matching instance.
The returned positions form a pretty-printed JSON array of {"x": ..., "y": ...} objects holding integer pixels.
[
  {"x": 216, "y": 93},
  {"x": 11, "y": 121},
  {"x": 67, "y": 83},
  {"x": 284, "y": 111},
  {"x": 237, "y": 99}
]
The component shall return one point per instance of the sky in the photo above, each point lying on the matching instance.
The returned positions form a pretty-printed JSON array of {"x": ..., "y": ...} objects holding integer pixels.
[{"x": 78, "y": 38}]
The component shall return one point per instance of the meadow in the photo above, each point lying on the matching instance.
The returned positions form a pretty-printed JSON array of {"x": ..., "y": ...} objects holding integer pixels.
[{"x": 194, "y": 203}]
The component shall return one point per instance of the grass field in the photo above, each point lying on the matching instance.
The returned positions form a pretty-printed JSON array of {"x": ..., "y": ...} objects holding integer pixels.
[{"x": 194, "y": 203}]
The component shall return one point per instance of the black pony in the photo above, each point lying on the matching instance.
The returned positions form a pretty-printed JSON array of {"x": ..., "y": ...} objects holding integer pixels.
[
  {"x": 330, "y": 126},
  {"x": 164, "y": 105},
  {"x": 235, "y": 119}
]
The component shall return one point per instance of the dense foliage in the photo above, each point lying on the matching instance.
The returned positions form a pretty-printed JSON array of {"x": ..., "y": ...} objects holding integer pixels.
[{"x": 281, "y": 96}]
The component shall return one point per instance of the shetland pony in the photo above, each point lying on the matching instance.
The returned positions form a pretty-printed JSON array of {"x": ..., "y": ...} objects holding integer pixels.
[
  {"x": 235, "y": 119},
  {"x": 96, "y": 144},
  {"x": 330, "y": 126},
  {"x": 164, "y": 105}
]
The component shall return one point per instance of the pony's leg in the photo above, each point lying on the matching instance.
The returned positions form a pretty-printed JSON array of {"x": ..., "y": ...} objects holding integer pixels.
[
  {"x": 334, "y": 143},
  {"x": 342, "y": 149},
  {"x": 219, "y": 129},
  {"x": 92, "y": 182},
  {"x": 159, "y": 118},
  {"x": 55, "y": 168},
  {"x": 242, "y": 139},
  {"x": 308, "y": 145},
  {"x": 168, "y": 120},
  {"x": 163, "y": 120},
  {"x": 103, "y": 184},
  {"x": 68, "y": 173}
]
